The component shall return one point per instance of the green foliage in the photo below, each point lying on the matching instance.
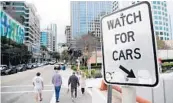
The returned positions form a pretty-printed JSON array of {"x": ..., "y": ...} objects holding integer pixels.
[
  {"x": 74, "y": 67},
  {"x": 83, "y": 67},
  {"x": 14, "y": 52},
  {"x": 97, "y": 75},
  {"x": 43, "y": 48},
  {"x": 64, "y": 55},
  {"x": 56, "y": 55},
  {"x": 167, "y": 64}
]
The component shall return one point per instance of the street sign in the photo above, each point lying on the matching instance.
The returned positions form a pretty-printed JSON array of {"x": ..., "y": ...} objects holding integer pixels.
[{"x": 129, "y": 51}]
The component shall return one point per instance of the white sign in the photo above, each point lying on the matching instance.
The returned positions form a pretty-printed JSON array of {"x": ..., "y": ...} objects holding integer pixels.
[{"x": 129, "y": 52}]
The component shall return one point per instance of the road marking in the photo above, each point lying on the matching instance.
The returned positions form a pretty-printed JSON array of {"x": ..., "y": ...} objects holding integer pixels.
[
  {"x": 53, "y": 98},
  {"x": 24, "y": 92},
  {"x": 14, "y": 86}
]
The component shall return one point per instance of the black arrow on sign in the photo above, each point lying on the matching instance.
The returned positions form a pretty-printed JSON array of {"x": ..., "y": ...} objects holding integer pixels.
[{"x": 130, "y": 73}]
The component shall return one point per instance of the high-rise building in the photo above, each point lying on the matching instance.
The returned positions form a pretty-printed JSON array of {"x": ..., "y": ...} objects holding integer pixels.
[
  {"x": 68, "y": 35},
  {"x": 159, "y": 15},
  {"x": 53, "y": 36},
  {"x": 43, "y": 38},
  {"x": 25, "y": 13},
  {"x": 85, "y": 16}
]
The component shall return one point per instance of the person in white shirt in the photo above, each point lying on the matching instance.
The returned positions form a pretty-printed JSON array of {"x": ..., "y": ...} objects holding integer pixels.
[{"x": 38, "y": 86}]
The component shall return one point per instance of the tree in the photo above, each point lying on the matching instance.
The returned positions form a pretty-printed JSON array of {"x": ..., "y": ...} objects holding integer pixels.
[
  {"x": 56, "y": 55},
  {"x": 43, "y": 48},
  {"x": 161, "y": 44},
  {"x": 64, "y": 55},
  {"x": 13, "y": 52}
]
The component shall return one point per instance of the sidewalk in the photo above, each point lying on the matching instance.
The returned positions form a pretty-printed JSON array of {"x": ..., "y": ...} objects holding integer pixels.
[{"x": 66, "y": 97}]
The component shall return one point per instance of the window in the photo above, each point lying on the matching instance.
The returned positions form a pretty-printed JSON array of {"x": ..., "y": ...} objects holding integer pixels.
[
  {"x": 161, "y": 33},
  {"x": 160, "y": 22},
  {"x": 155, "y": 17},
  {"x": 167, "y": 29},
  {"x": 155, "y": 7},
  {"x": 157, "y": 33},
  {"x": 164, "y": 33},
  {"x": 167, "y": 34},
  {"x": 156, "y": 28},
  {"x": 159, "y": 12},
  {"x": 165, "y": 10},
  {"x": 166, "y": 14},
  {"x": 165, "y": 38},
  {"x": 158, "y": 2},
  {"x": 154, "y": 2},
  {"x": 161, "y": 38},
  {"x": 162, "y": 13},
  {"x": 160, "y": 28},
  {"x": 159, "y": 7},
  {"x": 166, "y": 24},
  {"x": 156, "y": 22},
  {"x": 160, "y": 17},
  {"x": 155, "y": 12}
]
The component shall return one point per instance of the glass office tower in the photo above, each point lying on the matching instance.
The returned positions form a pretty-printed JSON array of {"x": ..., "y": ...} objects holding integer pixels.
[{"x": 85, "y": 16}]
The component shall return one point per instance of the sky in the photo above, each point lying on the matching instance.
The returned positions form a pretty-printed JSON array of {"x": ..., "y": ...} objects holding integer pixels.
[
  {"x": 58, "y": 11},
  {"x": 53, "y": 11}
]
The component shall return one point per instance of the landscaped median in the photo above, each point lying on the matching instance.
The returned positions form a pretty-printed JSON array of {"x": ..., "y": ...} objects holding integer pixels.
[{"x": 93, "y": 73}]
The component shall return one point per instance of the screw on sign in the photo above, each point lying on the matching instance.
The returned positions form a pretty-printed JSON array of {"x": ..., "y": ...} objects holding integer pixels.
[{"x": 129, "y": 46}]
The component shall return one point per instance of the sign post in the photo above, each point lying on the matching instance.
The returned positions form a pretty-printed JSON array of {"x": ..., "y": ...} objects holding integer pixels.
[
  {"x": 129, "y": 49},
  {"x": 128, "y": 94}
]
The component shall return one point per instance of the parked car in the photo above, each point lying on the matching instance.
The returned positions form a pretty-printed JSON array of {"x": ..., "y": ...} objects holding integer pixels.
[
  {"x": 3, "y": 68},
  {"x": 21, "y": 67},
  {"x": 29, "y": 66},
  {"x": 8, "y": 70}
]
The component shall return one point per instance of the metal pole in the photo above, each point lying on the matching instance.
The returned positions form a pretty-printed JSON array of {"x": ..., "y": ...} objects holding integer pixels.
[
  {"x": 109, "y": 98},
  {"x": 128, "y": 94}
]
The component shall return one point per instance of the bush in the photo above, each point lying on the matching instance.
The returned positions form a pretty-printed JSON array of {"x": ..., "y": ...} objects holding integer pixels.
[
  {"x": 73, "y": 67},
  {"x": 93, "y": 71},
  {"x": 83, "y": 68},
  {"x": 87, "y": 74},
  {"x": 98, "y": 75}
]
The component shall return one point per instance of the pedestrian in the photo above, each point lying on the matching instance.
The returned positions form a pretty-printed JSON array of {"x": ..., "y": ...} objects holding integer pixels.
[
  {"x": 83, "y": 83},
  {"x": 74, "y": 82},
  {"x": 38, "y": 86},
  {"x": 78, "y": 74},
  {"x": 57, "y": 82}
]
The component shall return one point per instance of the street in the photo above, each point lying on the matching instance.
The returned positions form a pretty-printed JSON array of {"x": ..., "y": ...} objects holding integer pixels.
[{"x": 17, "y": 88}]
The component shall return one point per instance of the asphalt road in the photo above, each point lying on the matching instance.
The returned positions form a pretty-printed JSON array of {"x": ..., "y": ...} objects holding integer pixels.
[{"x": 17, "y": 88}]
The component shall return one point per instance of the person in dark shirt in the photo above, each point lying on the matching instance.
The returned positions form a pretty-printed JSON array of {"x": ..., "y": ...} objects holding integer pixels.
[{"x": 74, "y": 82}]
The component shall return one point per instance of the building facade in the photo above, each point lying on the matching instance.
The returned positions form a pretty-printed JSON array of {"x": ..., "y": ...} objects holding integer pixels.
[
  {"x": 159, "y": 15},
  {"x": 86, "y": 14},
  {"x": 11, "y": 28},
  {"x": 43, "y": 38},
  {"x": 53, "y": 36},
  {"x": 25, "y": 13},
  {"x": 68, "y": 35}
]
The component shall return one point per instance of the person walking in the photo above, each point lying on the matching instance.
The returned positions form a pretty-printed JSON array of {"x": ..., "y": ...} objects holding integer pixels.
[
  {"x": 57, "y": 82},
  {"x": 83, "y": 83},
  {"x": 74, "y": 82},
  {"x": 38, "y": 86}
]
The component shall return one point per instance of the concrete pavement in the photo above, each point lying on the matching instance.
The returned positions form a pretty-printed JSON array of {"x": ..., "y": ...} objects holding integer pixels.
[{"x": 17, "y": 88}]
